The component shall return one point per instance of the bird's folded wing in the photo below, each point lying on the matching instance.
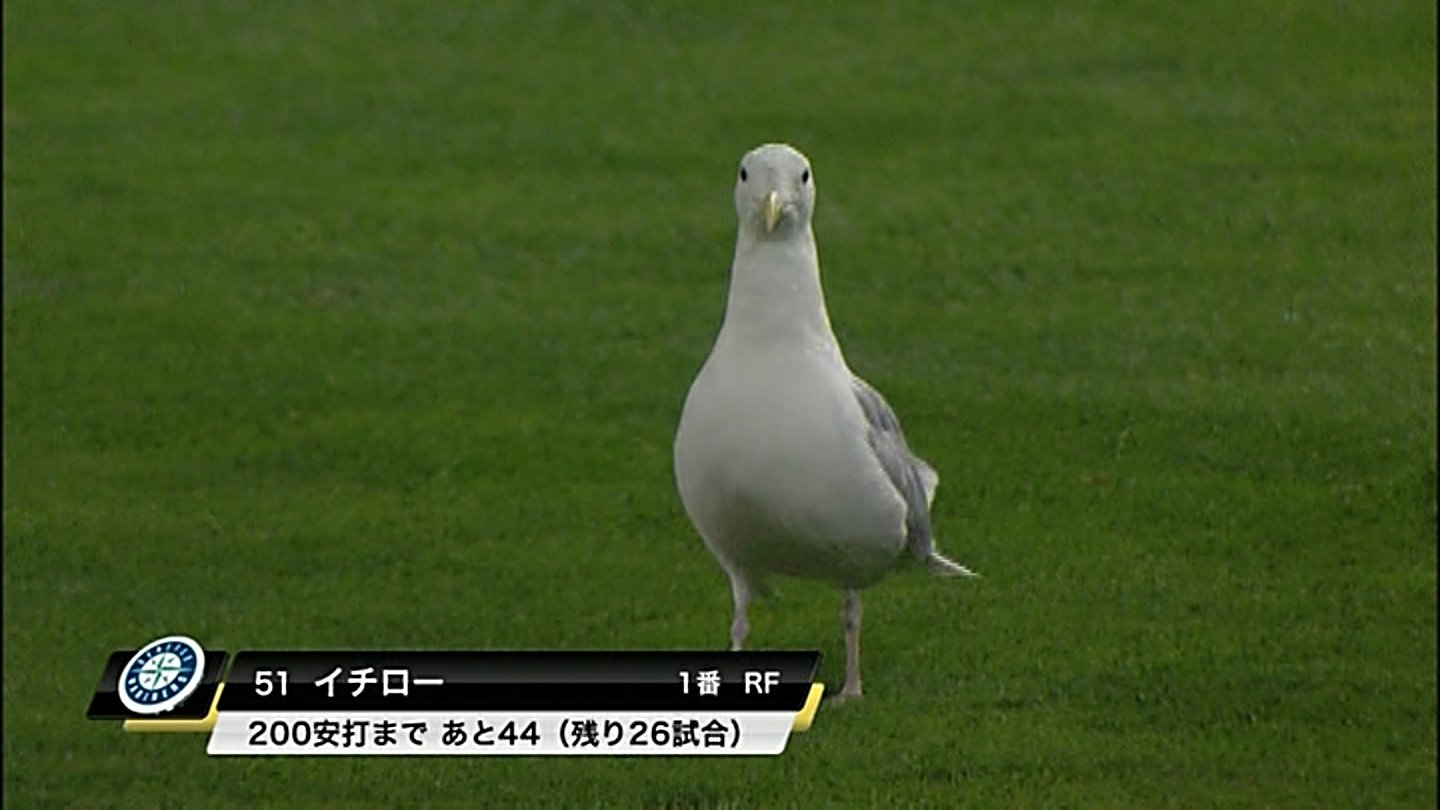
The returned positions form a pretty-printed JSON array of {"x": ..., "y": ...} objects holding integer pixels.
[{"x": 912, "y": 478}]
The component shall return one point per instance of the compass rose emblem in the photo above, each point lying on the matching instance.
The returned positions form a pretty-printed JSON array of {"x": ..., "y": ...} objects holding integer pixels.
[{"x": 161, "y": 675}]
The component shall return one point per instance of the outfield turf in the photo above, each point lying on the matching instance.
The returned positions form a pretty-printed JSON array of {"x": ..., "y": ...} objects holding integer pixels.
[{"x": 368, "y": 324}]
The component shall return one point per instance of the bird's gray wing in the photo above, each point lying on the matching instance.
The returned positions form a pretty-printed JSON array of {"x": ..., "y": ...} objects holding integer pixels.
[
  {"x": 909, "y": 474},
  {"x": 904, "y": 470}
]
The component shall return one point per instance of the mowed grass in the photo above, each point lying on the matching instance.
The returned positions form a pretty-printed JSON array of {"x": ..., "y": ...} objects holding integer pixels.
[{"x": 368, "y": 324}]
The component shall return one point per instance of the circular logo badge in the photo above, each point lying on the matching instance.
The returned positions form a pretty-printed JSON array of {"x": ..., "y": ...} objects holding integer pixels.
[{"x": 162, "y": 675}]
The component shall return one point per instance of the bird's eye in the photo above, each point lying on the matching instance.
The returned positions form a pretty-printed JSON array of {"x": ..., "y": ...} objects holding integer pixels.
[
  {"x": 743, "y": 174},
  {"x": 805, "y": 177}
]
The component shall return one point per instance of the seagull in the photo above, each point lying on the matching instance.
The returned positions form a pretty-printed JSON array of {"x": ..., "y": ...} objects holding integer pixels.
[{"x": 787, "y": 463}]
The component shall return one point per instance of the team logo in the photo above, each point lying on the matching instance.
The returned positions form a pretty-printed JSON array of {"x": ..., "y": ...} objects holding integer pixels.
[{"x": 162, "y": 675}]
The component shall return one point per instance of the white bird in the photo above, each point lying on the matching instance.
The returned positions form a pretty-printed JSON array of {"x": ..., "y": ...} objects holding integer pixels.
[{"x": 786, "y": 461}]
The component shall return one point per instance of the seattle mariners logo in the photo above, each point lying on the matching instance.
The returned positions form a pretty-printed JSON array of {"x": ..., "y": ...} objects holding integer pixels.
[{"x": 162, "y": 675}]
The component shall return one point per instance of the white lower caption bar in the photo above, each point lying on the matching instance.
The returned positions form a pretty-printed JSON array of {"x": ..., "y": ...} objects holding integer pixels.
[{"x": 500, "y": 734}]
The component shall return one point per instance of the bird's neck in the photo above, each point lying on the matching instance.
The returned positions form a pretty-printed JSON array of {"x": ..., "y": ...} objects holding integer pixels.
[{"x": 775, "y": 293}]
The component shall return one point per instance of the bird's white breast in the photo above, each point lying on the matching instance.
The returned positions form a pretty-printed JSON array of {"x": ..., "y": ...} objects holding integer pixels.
[{"x": 774, "y": 467}]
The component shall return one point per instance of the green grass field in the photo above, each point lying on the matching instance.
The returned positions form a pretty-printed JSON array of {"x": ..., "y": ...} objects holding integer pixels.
[{"x": 368, "y": 324}]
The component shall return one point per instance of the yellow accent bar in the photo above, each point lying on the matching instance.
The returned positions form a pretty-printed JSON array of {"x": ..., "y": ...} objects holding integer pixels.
[
  {"x": 806, "y": 715},
  {"x": 206, "y": 723}
]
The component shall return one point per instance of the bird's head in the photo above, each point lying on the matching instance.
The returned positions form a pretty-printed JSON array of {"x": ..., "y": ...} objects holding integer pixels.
[{"x": 774, "y": 191}]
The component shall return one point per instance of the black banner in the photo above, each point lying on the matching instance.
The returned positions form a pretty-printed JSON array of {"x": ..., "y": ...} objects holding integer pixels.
[{"x": 389, "y": 680}]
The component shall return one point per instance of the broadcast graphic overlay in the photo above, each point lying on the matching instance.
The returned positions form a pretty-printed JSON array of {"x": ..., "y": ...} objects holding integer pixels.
[
  {"x": 170, "y": 684},
  {"x": 464, "y": 703}
]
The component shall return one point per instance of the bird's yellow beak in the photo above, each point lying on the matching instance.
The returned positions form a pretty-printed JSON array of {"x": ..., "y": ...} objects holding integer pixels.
[{"x": 773, "y": 209}]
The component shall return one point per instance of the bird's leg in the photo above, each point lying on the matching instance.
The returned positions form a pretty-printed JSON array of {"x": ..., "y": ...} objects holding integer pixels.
[
  {"x": 850, "y": 617},
  {"x": 739, "y": 626}
]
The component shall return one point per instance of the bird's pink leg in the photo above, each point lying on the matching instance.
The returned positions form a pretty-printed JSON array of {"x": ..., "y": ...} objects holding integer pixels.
[
  {"x": 740, "y": 625},
  {"x": 850, "y": 617}
]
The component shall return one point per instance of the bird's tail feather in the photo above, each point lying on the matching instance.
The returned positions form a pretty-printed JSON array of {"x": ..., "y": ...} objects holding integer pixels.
[{"x": 942, "y": 566}]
